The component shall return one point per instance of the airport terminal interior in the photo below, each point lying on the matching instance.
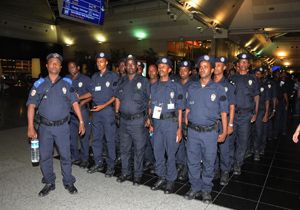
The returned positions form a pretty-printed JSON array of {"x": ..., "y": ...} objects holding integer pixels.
[{"x": 180, "y": 30}]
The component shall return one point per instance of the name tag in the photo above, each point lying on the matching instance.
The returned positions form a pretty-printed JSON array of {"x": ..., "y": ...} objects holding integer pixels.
[
  {"x": 157, "y": 112},
  {"x": 98, "y": 88},
  {"x": 171, "y": 106}
]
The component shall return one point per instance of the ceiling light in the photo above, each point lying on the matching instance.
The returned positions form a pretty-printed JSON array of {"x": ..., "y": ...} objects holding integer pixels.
[
  {"x": 100, "y": 38},
  {"x": 140, "y": 34},
  {"x": 281, "y": 54}
]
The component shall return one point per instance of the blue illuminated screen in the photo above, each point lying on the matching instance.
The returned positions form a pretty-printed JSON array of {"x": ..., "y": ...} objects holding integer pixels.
[{"x": 91, "y": 11}]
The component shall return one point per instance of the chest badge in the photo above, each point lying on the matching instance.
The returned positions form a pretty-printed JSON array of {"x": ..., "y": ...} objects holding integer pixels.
[
  {"x": 33, "y": 92},
  {"x": 269, "y": 86},
  {"x": 213, "y": 97},
  {"x": 80, "y": 84},
  {"x": 107, "y": 84},
  {"x": 172, "y": 95},
  {"x": 139, "y": 85},
  {"x": 250, "y": 82},
  {"x": 64, "y": 90},
  {"x": 281, "y": 83},
  {"x": 226, "y": 89},
  {"x": 262, "y": 89}
]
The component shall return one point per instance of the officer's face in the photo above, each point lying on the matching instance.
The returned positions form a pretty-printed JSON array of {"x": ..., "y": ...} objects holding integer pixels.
[
  {"x": 140, "y": 70},
  {"x": 259, "y": 75},
  {"x": 243, "y": 65},
  {"x": 122, "y": 67},
  {"x": 152, "y": 72},
  {"x": 205, "y": 69},
  {"x": 184, "y": 72},
  {"x": 101, "y": 63},
  {"x": 73, "y": 69},
  {"x": 53, "y": 65},
  {"x": 219, "y": 68},
  {"x": 131, "y": 67},
  {"x": 163, "y": 69}
]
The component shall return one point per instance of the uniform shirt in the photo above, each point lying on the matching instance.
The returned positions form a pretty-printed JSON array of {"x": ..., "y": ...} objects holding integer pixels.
[
  {"x": 246, "y": 88},
  {"x": 206, "y": 103},
  {"x": 81, "y": 83},
  {"x": 229, "y": 90},
  {"x": 56, "y": 103},
  {"x": 264, "y": 95},
  {"x": 272, "y": 89},
  {"x": 186, "y": 86},
  {"x": 133, "y": 94},
  {"x": 168, "y": 95},
  {"x": 282, "y": 89},
  {"x": 103, "y": 86}
]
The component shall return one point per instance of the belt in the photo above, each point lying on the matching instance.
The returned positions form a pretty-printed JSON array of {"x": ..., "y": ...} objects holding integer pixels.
[
  {"x": 133, "y": 116},
  {"x": 201, "y": 129},
  {"x": 168, "y": 115},
  {"x": 47, "y": 122},
  {"x": 243, "y": 110}
]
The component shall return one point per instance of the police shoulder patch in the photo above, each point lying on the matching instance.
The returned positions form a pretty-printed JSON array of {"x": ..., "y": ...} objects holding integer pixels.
[
  {"x": 68, "y": 80},
  {"x": 38, "y": 82}
]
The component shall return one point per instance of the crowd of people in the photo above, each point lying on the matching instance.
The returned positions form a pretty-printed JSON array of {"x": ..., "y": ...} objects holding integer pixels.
[{"x": 198, "y": 126}]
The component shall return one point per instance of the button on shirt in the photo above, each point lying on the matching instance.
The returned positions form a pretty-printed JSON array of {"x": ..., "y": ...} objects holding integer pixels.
[
  {"x": 54, "y": 103},
  {"x": 206, "y": 103},
  {"x": 246, "y": 88},
  {"x": 133, "y": 94},
  {"x": 103, "y": 86},
  {"x": 167, "y": 95}
]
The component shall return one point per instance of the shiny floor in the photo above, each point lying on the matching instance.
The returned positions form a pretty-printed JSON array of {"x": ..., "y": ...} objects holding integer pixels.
[{"x": 272, "y": 183}]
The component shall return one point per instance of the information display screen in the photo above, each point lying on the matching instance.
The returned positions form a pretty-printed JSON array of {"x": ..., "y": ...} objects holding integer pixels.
[{"x": 86, "y": 11}]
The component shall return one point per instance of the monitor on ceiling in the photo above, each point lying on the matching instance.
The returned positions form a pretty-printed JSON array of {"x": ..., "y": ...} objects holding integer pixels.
[{"x": 84, "y": 11}]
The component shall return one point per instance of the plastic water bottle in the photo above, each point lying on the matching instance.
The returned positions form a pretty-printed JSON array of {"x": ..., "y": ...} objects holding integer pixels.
[{"x": 35, "y": 151}]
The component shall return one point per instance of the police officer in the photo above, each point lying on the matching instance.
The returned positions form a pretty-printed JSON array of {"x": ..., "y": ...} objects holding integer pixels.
[
  {"x": 104, "y": 84},
  {"x": 206, "y": 104},
  {"x": 262, "y": 115},
  {"x": 132, "y": 99},
  {"x": 247, "y": 100},
  {"x": 53, "y": 96},
  {"x": 185, "y": 81},
  {"x": 140, "y": 66},
  {"x": 81, "y": 84},
  {"x": 167, "y": 103},
  {"x": 225, "y": 152}
]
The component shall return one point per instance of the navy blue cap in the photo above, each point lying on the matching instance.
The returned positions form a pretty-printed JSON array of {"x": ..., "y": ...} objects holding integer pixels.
[
  {"x": 187, "y": 64},
  {"x": 131, "y": 57},
  {"x": 207, "y": 58},
  {"x": 244, "y": 56},
  {"x": 54, "y": 55},
  {"x": 141, "y": 64},
  {"x": 102, "y": 55},
  {"x": 260, "y": 69},
  {"x": 164, "y": 60},
  {"x": 221, "y": 60}
]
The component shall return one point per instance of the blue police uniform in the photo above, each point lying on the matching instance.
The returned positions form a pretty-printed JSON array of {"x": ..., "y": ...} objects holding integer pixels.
[
  {"x": 81, "y": 85},
  {"x": 169, "y": 97},
  {"x": 103, "y": 122},
  {"x": 54, "y": 108},
  {"x": 281, "y": 115},
  {"x": 205, "y": 105},
  {"x": 247, "y": 88},
  {"x": 225, "y": 149},
  {"x": 134, "y": 97},
  {"x": 260, "y": 126}
]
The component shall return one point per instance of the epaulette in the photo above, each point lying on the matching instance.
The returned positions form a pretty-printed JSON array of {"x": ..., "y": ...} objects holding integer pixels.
[
  {"x": 68, "y": 80},
  {"x": 38, "y": 82}
]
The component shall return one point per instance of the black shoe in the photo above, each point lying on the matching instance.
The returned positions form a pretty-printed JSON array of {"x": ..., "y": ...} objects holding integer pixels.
[
  {"x": 95, "y": 168},
  {"x": 217, "y": 174},
  {"x": 256, "y": 157},
  {"x": 170, "y": 188},
  {"x": 182, "y": 176},
  {"x": 109, "y": 173},
  {"x": 137, "y": 181},
  {"x": 148, "y": 165},
  {"x": 237, "y": 170},
  {"x": 123, "y": 178},
  {"x": 46, "y": 189},
  {"x": 159, "y": 184},
  {"x": 84, "y": 164},
  {"x": 118, "y": 160},
  {"x": 224, "y": 178},
  {"x": 76, "y": 162},
  {"x": 71, "y": 189},
  {"x": 206, "y": 197},
  {"x": 262, "y": 153},
  {"x": 191, "y": 195},
  {"x": 248, "y": 154}
]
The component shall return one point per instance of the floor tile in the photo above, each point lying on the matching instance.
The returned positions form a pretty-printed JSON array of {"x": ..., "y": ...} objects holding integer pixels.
[
  {"x": 264, "y": 206},
  {"x": 233, "y": 202},
  {"x": 281, "y": 199},
  {"x": 243, "y": 190},
  {"x": 257, "y": 168},
  {"x": 285, "y": 173},
  {"x": 286, "y": 164},
  {"x": 250, "y": 178},
  {"x": 284, "y": 185},
  {"x": 183, "y": 190}
]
